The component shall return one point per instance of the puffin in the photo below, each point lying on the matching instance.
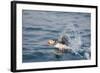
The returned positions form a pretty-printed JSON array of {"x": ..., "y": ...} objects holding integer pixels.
[{"x": 61, "y": 45}]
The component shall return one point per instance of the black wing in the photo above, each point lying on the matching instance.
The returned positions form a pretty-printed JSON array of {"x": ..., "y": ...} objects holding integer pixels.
[{"x": 64, "y": 40}]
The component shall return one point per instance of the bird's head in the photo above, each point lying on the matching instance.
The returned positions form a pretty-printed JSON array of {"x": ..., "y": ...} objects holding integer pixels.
[{"x": 51, "y": 42}]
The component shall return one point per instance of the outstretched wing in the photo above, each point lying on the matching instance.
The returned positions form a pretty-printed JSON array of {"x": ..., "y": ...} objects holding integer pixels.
[{"x": 64, "y": 40}]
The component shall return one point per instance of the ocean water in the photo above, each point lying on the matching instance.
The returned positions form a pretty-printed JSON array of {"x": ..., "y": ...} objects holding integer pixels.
[{"x": 40, "y": 26}]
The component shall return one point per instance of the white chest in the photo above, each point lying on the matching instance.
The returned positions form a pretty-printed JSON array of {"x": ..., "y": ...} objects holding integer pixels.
[{"x": 61, "y": 46}]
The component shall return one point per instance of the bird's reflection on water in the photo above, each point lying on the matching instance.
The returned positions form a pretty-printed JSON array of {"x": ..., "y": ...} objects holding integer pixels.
[{"x": 58, "y": 54}]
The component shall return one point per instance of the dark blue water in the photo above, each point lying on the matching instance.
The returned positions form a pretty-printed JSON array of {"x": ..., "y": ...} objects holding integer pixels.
[{"x": 40, "y": 26}]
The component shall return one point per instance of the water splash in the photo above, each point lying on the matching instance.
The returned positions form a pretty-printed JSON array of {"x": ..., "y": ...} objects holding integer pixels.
[{"x": 75, "y": 42}]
